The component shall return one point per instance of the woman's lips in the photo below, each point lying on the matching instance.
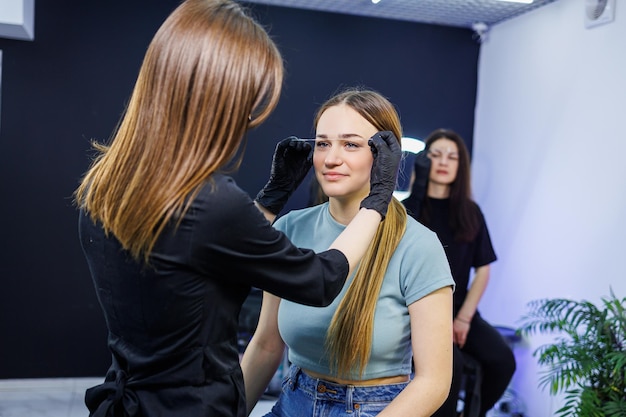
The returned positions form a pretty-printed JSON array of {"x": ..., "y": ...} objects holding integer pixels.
[{"x": 333, "y": 176}]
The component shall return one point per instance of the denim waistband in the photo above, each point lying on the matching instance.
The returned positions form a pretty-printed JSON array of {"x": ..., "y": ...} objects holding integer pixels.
[{"x": 331, "y": 391}]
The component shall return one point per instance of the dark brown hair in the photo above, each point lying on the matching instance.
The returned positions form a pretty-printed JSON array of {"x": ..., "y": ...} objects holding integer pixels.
[{"x": 464, "y": 217}]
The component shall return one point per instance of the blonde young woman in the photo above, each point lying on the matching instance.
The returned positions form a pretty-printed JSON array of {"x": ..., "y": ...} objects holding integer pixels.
[
  {"x": 355, "y": 356},
  {"x": 173, "y": 245}
]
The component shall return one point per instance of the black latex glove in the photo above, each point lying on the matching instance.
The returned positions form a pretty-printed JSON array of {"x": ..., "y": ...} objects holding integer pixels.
[
  {"x": 413, "y": 202},
  {"x": 292, "y": 160},
  {"x": 387, "y": 154}
]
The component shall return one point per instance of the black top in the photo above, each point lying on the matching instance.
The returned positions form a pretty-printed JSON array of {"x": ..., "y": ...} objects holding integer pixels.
[
  {"x": 462, "y": 256},
  {"x": 173, "y": 324}
]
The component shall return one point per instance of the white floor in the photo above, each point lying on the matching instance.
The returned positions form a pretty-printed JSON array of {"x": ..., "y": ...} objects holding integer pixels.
[
  {"x": 59, "y": 397},
  {"x": 64, "y": 397}
]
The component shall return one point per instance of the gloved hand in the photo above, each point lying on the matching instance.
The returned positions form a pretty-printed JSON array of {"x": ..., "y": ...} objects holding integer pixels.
[
  {"x": 292, "y": 160},
  {"x": 387, "y": 154},
  {"x": 413, "y": 202}
]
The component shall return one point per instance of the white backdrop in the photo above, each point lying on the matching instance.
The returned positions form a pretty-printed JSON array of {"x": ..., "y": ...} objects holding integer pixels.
[{"x": 549, "y": 167}]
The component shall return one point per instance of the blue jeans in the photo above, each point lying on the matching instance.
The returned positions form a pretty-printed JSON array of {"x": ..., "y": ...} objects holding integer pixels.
[{"x": 304, "y": 396}]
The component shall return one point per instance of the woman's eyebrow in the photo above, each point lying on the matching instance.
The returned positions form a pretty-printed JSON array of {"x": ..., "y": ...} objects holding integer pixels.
[
  {"x": 443, "y": 151},
  {"x": 341, "y": 136},
  {"x": 350, "y": 136}
]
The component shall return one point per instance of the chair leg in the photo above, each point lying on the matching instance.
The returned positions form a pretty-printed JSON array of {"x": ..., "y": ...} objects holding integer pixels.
[{"x": 473, "y": 379}]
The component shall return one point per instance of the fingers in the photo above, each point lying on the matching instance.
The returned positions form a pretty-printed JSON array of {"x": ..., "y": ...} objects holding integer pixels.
[
  {"x": 290, "y": 144},
  {"x": 373, "y": 146},
  {"x": 301, "y": 146},
  {"x": 390, "y": 139},
  {"x": 281, "y": 148},
  {"x": 383, "y": 139},
  {"x": 283, "y": 144},
  {"x": 459, "y": 339},
  {"x": 460, "y": 332},
  {"x": 376, "y": 144},
  {"x": 295, "y": 143}
]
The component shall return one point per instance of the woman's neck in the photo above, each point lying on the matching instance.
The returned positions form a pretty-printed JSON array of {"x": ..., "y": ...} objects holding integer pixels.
[
  {"x": 343, "y": 211},
  {"x": 438, "y": 190}
]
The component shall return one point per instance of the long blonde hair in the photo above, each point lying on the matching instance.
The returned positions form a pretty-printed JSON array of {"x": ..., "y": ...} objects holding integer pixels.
[
  {"x": 349, "y": 336},
  {"x": 210, "y": 74}
]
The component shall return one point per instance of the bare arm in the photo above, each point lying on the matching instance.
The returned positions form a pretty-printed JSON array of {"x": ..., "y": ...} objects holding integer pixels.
[
  {"x": 431, "y": 338},
  {"x": 354, "y": 240},
  {"x": 470, "y": 305},
  {"x": 357, "y": 236},
  {"x": 264, "y": 352}
]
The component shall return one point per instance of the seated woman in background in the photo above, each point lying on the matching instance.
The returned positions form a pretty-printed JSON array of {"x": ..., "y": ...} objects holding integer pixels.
[
  {"x": 393, "y": 313},
  {"x": 441, "y": 199}
]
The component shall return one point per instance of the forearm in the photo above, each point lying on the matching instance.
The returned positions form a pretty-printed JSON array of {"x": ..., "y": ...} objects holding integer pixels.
[
  {"x": 259, "y": 364},
  {"x": 421, "y": 398},
  {"x": 357, "y": 236},
  {"x": 474, "y": 294},
  {"x": 431, "y": 336}
]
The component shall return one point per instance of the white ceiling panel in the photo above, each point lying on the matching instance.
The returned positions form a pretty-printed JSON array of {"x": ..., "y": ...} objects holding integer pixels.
[{"x": 460, "y": 13}]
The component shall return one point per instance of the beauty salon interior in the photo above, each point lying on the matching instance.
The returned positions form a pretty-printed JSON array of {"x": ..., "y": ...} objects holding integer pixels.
[{"x": 535, "y": 89}]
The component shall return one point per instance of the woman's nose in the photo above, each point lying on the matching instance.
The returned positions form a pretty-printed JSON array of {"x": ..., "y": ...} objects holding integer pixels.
[{"x": 333, "y": 157}]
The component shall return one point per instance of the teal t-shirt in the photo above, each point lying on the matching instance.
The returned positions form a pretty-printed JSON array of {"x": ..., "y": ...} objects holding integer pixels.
[{"x": 417, "y": 268}]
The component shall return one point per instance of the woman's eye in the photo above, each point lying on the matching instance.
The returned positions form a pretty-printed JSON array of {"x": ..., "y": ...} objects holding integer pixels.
[
  {"x": 320, "y": 144},
  {"x": 351, "y": 145}
]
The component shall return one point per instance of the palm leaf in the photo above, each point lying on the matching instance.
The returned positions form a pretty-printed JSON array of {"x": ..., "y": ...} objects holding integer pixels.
[{"x": 587, "y": 359}]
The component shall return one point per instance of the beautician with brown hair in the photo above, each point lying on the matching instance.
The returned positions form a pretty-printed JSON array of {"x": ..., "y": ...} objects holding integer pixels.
[{"x": 173, "y": 245}]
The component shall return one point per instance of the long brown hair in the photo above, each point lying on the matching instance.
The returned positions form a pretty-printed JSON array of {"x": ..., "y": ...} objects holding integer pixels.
[
  {"x": 210, "y": 74},
  {"x": 464, "y": 218},
  {"x": 349, "y": 336}
]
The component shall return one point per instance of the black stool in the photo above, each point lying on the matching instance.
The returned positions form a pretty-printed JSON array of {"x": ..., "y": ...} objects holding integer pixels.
[
  {"x": 510, "y": 404},
  {"x": 470, "y": 387}
]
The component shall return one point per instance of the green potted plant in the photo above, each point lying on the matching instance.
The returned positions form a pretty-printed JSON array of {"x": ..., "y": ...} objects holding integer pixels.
[{"x": 587, "y": 360}]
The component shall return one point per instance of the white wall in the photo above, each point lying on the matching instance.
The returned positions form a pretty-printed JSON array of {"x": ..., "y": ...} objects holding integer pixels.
[{"x": 549, "y": 167}]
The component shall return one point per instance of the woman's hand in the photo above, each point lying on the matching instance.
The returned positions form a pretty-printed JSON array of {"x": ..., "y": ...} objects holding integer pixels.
[
  {"x": 460, "y": 329},
  {"x": 387, "y": 154},
  {"x": 292, "y": 161}
]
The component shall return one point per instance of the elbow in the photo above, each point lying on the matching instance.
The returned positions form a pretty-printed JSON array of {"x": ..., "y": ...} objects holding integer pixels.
[
  {"x": 321, "y": 299},
  {"x": 331, "y": 292},
  {"x": 438, "y": 393},
  {"x": 335, "y": 277},
  {"x": 441, "y": 388},
  {"x": 320, "y": 279},
  {"x": 441, "y": 395}
]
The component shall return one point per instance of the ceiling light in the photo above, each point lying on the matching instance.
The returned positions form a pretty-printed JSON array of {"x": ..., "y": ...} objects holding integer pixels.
[{"x": 378, "y": 1}]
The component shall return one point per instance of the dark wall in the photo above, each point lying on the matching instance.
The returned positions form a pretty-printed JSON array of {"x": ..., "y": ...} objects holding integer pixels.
[
  {"x": 70, "y": 85},
  {"x": 429, "y": 72}
]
